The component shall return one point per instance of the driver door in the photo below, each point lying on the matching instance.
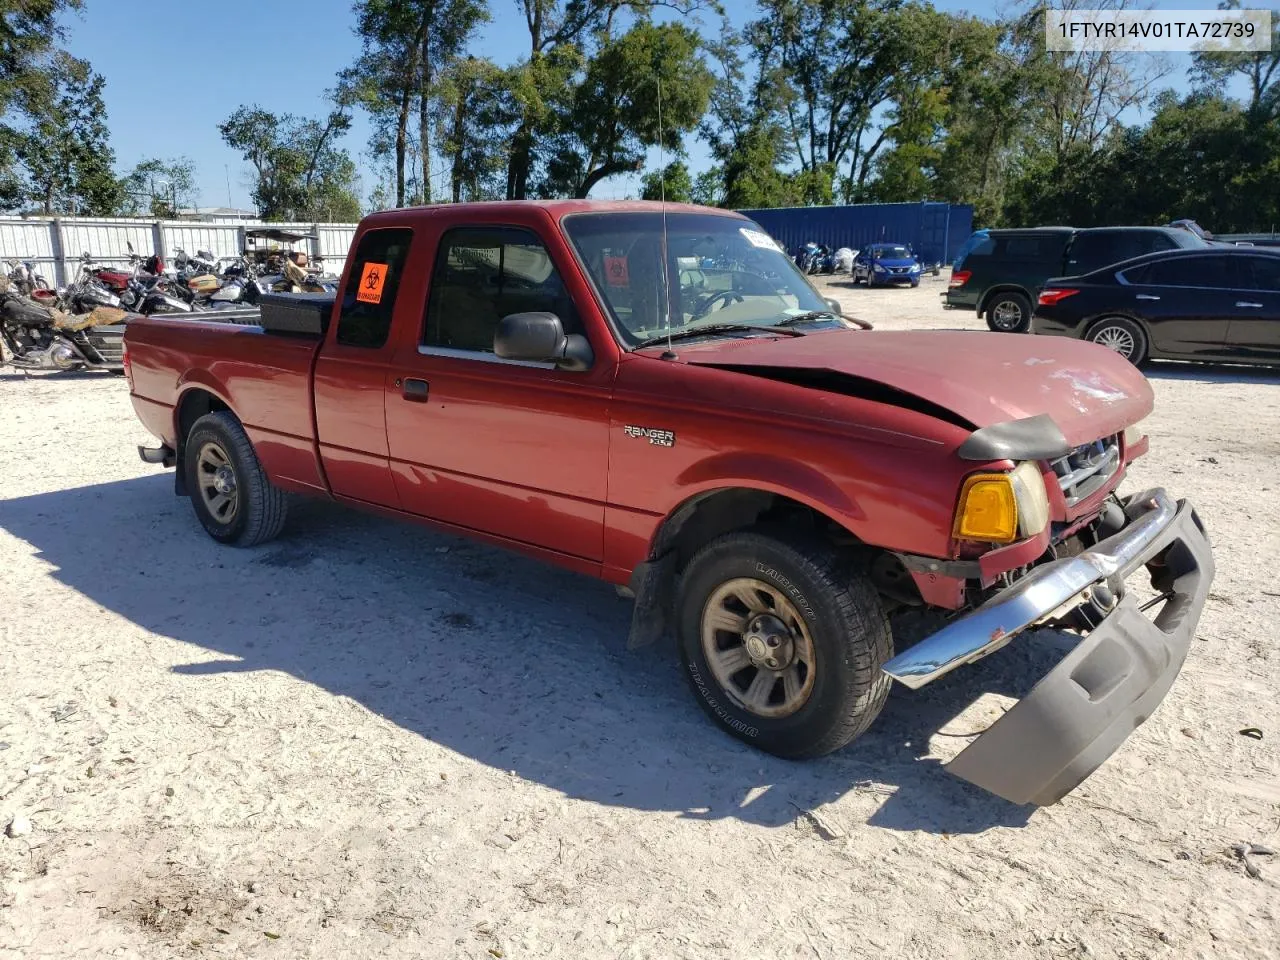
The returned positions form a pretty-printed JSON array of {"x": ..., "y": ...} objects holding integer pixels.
[{"x": 511, "y": 448}]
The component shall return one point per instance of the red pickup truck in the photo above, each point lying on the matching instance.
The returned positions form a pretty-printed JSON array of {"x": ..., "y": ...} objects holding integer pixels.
[{"x": 658, "y": 397}]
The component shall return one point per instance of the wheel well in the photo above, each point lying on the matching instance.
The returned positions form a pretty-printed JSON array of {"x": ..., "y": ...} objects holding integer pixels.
[
  {"x": 996, "y": 291},
  {"x": 195, "y": 404},
  {"x": 699, "y": 521}
]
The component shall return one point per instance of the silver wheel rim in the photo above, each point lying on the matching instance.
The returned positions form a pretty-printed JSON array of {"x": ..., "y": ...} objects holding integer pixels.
[
  {"x": 1118, "y": 339},
  {"x": 758, "y": 648},
  {"x": 1007, "y": 315},
  {"x": 216, "y": 481}
]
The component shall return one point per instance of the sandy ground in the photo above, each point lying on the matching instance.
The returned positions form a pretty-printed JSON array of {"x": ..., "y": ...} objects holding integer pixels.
[{"x": 368, "y": 740}]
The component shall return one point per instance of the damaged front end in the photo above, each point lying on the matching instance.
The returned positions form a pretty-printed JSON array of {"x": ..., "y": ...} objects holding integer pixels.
[{"x": 1079, "y": 713}]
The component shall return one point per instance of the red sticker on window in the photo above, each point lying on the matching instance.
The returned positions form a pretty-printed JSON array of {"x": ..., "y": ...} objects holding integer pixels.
[
  {"x": 615, "y": 268},
  {"x": 372, "y": 279}
]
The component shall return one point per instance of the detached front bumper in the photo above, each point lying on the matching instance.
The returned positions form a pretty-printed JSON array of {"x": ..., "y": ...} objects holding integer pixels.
[{"x": 1077, "y": 716}]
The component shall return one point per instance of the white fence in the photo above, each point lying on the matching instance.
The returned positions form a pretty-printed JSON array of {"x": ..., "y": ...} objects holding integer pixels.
[{"x": 54, "y": 245}]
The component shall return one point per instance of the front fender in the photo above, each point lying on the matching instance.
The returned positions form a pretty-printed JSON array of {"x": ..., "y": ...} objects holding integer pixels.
[{"x": 771, "y": 474}]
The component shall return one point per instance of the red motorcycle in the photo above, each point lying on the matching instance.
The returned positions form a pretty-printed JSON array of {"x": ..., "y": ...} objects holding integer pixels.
[{"x": 117, "y": 281}]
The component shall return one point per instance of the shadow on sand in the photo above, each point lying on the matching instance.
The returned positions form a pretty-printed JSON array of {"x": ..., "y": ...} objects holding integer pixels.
[{"x": 515, "y": 664}]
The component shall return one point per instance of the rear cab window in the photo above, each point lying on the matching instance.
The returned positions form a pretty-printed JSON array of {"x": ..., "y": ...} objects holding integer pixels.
[{"x": 369, "y": 298}]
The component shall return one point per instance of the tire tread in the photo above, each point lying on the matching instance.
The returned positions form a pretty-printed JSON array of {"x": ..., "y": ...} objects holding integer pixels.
[
  {"x": 266, "y": 505},
  {"x": 841, "y": 576}
]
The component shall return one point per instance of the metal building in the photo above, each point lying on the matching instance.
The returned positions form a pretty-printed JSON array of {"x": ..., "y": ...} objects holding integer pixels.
[{"x": 935, "y": 231}]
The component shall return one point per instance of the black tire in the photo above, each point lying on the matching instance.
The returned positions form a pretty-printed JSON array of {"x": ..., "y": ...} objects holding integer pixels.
[
  {"x": 260, "y": 508},
  {"x": 1122, "y": 335},
  {"x": 842, "y": 614},
  {"x": 1009, "y": 312}
]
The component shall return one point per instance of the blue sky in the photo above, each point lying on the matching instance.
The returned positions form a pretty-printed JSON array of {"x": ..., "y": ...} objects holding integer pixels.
[{"x": 174, "y": 71}]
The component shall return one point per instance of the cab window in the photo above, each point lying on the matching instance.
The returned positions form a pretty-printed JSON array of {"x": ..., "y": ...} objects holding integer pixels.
[
  {"x": 372, "y": 285},
  {"x": 483, "y": 274}
]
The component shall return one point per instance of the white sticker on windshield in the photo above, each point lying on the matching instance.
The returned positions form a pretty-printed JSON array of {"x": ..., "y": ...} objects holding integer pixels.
[{"x": 758, "y": 239}]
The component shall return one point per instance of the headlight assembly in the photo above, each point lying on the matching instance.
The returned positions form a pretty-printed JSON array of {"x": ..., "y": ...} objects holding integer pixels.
[{"x": 1001, "y": 507}]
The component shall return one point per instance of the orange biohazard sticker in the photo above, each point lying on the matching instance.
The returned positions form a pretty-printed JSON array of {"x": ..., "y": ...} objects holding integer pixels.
[
  {"x": 372, "y": 278},
  {"x": 615, "y": 269}
]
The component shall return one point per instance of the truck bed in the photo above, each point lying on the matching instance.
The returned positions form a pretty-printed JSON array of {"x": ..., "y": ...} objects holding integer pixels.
[{"x": 264, "y": 377}]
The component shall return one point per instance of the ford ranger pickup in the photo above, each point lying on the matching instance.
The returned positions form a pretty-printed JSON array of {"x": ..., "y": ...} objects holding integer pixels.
[{"x": 654, "y": 395}]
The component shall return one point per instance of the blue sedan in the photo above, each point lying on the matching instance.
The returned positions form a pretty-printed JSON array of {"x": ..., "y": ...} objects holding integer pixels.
[{"x": 883, "y": 263}]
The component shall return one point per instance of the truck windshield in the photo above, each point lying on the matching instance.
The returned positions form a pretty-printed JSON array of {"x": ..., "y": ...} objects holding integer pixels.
[{"x": 721, "y": 271}]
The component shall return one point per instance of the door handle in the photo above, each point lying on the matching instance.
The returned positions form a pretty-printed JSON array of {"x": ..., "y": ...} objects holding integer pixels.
[
  {"x": 1246, "y": 303},
  {"x": 1147, "y": 296},
  {"x": 415, "y": 390}
]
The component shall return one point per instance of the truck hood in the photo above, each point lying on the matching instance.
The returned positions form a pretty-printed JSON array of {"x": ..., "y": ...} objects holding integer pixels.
[{"x": 980, "y": 378}]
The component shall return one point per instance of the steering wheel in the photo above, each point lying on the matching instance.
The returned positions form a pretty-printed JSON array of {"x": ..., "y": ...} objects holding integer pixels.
[{"x": 728, "y": 296}]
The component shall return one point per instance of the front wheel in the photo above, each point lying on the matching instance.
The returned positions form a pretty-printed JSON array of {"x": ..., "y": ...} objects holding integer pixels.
[
  {"x": 1123, "y": 336},
  {"x": 783, "y": 642},
  {"x": 232, "y": 497}
]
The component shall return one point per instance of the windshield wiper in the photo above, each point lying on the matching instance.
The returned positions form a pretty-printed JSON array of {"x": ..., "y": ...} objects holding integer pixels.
[
  {"x": 808, "y": 317},
  {"x": 714, "y": 328}
]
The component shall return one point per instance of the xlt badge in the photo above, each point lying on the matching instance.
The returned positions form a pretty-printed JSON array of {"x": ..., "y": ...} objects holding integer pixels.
[{"x": 659, "y": 438}]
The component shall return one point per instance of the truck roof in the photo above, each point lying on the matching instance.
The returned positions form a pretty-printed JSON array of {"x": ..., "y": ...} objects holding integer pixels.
[{"x": 558, "y": 209}]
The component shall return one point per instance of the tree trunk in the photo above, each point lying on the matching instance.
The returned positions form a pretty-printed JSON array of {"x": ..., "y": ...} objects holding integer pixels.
[
  {"x": 424, "y": 98},
  {"x": 402, "y": 143},
  {"x": 459, "y": 144},
  {"x": 607, "y": 169},
  {"x": 519, "y": 163}
]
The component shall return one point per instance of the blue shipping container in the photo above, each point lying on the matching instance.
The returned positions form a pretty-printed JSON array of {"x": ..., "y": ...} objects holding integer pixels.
[{"x": 935, "y": 231}]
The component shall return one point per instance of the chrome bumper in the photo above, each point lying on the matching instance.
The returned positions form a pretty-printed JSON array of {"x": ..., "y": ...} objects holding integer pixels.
[{"x": 1078, "y": 714}]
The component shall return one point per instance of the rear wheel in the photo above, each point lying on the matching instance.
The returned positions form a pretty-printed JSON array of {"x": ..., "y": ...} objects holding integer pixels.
[
  {"x": 783, "y": 641},
  {"x": 230, "y": 493},
  {"x": 1123, "y": 336},
  {"x": 1009, "y": 313}
]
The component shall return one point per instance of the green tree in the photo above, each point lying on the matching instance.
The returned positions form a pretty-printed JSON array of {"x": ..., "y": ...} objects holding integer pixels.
[
  {"x": 1261, "y": 70},
  {"x": 646, "y": 88},
  {"x": 406, "y": 47},
  {"x": 160, "y": 188},
  {"x": 301, "y": 172},
  {"x": 672, "y": 183},
  {"x": 839, "y": 60},
  {"x": 562, "y": 36},
  {"x": 63, "y": 155},
  {"x": 744, "y": 127},
  {"x": 478, "y": 110}
]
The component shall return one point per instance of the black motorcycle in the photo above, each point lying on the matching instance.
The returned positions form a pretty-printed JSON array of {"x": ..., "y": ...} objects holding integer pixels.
[{"x": 35, "y": 341}]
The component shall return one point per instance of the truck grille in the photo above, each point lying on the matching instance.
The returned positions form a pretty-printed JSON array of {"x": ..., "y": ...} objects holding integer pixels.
[{"x": 1087, "y": 468}]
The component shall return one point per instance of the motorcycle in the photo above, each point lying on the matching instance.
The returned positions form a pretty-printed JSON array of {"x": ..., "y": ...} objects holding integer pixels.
[
  {"x": 87, "y": 292},
  {"x": 152, "y": 295},
  {"x": 815, "y": 258},
  {"x": 37, "y": 338},
  {"x": 23, "y": 278}
]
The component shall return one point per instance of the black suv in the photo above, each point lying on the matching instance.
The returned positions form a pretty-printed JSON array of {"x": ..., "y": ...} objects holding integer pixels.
[{"x": 1000, "y": 273}]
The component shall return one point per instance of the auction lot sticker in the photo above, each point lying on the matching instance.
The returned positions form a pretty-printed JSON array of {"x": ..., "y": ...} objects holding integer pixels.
[{"x": 1148, "y": 31}]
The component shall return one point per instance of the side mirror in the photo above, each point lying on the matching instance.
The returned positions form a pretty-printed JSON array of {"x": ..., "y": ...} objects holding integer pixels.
[
  {"x": 834, "y": 306},
  {"x": 539, "y": 337}
]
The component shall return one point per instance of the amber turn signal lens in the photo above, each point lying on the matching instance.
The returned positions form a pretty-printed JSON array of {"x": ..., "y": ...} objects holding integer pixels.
[{"x": 988, "y": 509}]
